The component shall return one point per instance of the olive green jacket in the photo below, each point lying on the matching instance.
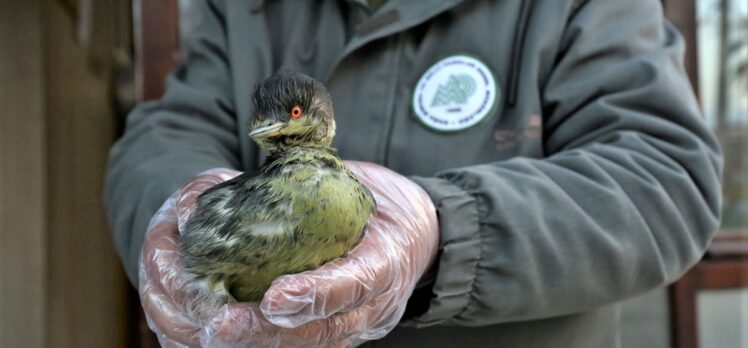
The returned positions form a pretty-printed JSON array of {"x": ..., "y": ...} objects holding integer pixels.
[{"x": 591, "y": 179}]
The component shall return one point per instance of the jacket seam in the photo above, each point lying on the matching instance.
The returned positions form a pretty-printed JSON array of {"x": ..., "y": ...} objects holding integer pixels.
[{"x": 479, "y": 228}]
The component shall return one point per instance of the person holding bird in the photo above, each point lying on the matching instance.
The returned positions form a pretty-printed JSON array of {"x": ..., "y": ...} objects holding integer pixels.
[
  {"x": 305, "y": 207},
  {"x": 411, "y": 173}
]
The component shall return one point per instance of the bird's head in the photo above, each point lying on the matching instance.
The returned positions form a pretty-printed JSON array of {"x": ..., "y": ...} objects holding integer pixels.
[{"x": 292, "y": 109}]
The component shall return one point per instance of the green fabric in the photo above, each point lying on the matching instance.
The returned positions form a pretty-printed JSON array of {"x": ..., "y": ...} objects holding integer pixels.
[{"x": 600, "y": 183}]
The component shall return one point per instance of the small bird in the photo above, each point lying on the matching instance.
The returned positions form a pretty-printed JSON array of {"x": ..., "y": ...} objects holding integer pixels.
[{"x": 304, "y": 208}]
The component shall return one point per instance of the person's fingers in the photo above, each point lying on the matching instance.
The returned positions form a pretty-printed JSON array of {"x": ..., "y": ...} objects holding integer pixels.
[
  {"x": 242, "y": 324},
  {"x": 345, "y": 328},
  {"x": 160, "y": 258},
  {"x": 166, "y": 318},
  {"x": 156, "y": 279},
  {"x": 406, "y": 209}
]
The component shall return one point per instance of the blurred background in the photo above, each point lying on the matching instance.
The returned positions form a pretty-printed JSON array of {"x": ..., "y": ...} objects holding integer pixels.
[{"x": 71, "y": 69}]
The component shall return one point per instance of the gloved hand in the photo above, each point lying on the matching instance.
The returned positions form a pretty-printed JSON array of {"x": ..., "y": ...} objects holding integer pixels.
[
  {"x": 342, "y": 303},
  {"x": 173, "y": 310}
]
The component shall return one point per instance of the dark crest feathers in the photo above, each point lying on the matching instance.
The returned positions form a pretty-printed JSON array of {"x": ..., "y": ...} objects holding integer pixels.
[{"x": 282, "y": 90}]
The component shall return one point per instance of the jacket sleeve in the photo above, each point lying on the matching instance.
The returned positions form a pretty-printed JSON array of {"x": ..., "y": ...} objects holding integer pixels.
[
  {"x": 191, "y": 129},
  {"x": 626, "y": 200}
]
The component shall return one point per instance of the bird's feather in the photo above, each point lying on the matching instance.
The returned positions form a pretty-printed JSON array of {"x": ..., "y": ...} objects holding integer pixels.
[{"x": 304, "y": 209}]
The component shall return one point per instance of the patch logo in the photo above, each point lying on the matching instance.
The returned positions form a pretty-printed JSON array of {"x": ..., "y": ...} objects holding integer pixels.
[{"x": 454, "y": 94}]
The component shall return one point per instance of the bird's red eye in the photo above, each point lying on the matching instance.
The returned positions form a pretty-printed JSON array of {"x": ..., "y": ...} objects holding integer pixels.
[{"x": 296, "y": 111}]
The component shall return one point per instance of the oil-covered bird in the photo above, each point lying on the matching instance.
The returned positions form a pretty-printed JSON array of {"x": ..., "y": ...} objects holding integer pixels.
[{"x": 304, "y": 208}]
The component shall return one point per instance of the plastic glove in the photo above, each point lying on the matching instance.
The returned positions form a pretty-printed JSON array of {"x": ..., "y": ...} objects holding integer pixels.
[
  {"x": 173, "y": 310},
  {"x": 342, "y": 303},
  {"x": 370, "y": 287}
]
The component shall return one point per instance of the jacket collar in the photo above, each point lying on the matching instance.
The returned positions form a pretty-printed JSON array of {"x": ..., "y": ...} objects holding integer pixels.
[{"x": 393, "y": 17}]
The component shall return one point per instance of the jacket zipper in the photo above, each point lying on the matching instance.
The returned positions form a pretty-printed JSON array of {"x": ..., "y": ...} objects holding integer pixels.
[
  {"x": 397, "y": 55},
  {"x": 517, "y": 47}
]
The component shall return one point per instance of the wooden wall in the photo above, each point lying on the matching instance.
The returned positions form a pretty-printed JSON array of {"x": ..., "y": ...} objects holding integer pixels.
[
  {"x": 86, "y": 283},
  {"x": 62, "y": 284},
  {"x": 23, "y": 281}
]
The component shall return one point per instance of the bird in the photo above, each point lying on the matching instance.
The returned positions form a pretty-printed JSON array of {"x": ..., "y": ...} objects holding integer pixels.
[{"x": 302, "y": 209}]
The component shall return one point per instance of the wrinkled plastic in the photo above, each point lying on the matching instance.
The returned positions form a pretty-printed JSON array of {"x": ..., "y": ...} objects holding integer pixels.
[{"x": 341, "y": 304}]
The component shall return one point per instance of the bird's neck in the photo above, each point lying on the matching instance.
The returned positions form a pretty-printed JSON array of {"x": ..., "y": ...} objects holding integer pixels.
[{"x": 312, "y": 153}]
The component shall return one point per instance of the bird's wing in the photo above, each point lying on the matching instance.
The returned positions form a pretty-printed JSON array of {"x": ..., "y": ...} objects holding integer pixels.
[{"x": 243, "y": 211}]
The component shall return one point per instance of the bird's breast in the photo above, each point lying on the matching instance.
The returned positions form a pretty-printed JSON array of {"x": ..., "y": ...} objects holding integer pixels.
[{"x": 326, "y": 201}]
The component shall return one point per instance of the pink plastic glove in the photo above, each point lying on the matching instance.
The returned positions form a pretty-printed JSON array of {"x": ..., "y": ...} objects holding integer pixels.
[
  {"x": 343, "y": 303},
  {"x": 174, "y": 313}
]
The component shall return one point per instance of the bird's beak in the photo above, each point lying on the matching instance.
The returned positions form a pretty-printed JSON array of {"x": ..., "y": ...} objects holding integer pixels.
[{"x": 267, "y": 131}]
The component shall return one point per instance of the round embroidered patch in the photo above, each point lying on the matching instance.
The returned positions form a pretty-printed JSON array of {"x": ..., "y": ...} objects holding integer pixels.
[{"x": 455, "y": 93}]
